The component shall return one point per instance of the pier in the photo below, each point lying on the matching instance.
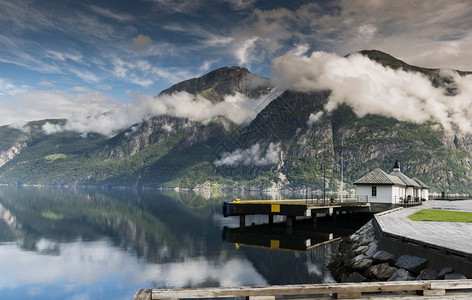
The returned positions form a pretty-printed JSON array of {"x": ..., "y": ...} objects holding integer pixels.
[
  {"x": 433, "y": 289},
  {"x": 292, "y": 209},
  {"x": 449, "y": 242},
  {"x": 447, "y": 237}
]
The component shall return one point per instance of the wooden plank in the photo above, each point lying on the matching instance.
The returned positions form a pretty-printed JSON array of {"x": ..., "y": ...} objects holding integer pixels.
[
  {"x": 462, "y": 296},
  {"x": 432, "y": 288},
  {"x": 432, "y": 292},
  {"x": 143, "y": 294},
  {"x": 307, "y": 289},
  {"x": 348, "y": 295},
  {"x": 452, "y": 284}
]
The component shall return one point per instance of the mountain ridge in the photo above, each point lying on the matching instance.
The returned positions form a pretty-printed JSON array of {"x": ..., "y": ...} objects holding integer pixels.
[{"x": 278, "y": 149}]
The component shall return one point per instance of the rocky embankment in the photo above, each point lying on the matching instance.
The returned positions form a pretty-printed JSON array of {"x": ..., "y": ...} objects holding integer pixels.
[{"x": 359, "y": 259}]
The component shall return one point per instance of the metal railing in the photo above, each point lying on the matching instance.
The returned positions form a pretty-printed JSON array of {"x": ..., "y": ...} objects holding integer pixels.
[
  {"x": 335, "y": 200},
  {"x": 407, "y": 201}
]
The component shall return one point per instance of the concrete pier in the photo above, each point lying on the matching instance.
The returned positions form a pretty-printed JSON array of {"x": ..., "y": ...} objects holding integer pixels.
[
  {"x": 290, "y": 209},
  {"x": 447, "y": 237}
]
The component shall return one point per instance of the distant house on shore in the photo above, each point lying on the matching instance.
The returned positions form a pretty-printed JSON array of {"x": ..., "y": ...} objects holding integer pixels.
[{"x": 380, "y": 187}]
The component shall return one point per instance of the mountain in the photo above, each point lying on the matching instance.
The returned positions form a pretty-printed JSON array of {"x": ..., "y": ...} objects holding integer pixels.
[{"x": 279, "y": 147}]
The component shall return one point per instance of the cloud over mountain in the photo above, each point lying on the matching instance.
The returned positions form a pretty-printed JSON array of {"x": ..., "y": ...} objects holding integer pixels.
[{"x": 370, "y": 88}]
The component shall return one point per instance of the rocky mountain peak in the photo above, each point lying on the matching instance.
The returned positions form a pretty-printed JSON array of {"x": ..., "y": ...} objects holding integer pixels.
[{"x": 221, "y": 82}]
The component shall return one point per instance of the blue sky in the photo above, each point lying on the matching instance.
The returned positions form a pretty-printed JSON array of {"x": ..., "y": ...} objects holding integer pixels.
[{"x": 61, "y": 54}]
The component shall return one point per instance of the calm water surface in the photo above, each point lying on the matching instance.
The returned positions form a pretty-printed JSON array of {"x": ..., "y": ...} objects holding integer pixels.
[{"x": 107, "y": 244}]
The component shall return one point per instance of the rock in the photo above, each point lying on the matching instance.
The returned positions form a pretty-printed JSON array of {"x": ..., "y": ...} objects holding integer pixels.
[
  {"x": 444, "y": 271},
  {"x": 355, "y": 277},
  {"x": 454, "y": 276},
  {"x": 361, "y": 249},
  {"x": 372, "y": 249},
  {"x": 412, "y": 263},
  {"x": 428, "y": 274},
  {"x": 401, "y": 275},
  {"x": 384, "y": 257},
  {"x": 355, "y": 260},
  {"x": 354, "y": 237},
  {"x": 366, "y": 228},
  {"x": 363, "y": 264},
  {"x": 380, "y": 272}
]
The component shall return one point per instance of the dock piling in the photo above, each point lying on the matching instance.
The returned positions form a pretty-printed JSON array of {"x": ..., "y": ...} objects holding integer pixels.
[{"x": 242, "y": 221}]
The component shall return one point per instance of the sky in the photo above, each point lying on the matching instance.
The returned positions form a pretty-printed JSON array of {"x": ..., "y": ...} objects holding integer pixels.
[{"x": 64, "y": 58}]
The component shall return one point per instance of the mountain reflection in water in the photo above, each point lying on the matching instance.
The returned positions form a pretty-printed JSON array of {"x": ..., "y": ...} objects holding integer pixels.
[{"x": 96, "y": 243}]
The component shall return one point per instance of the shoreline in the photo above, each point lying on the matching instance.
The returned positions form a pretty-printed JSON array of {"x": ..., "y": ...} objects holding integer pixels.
[{"x": 370, "y": 254}]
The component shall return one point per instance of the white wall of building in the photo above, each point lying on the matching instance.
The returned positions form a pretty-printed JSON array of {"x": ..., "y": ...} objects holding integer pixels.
[
  {"x": 425, "y": 194},
  {"x": 384, "y": 193},
  {"x": 397, "y": 193}
]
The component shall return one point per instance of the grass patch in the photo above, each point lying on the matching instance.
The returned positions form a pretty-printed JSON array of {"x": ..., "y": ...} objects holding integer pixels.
[
  {"x": 51, "y": 215},
  {"x": 437, "y": 215},
  {"x": 54, "y": 157}
]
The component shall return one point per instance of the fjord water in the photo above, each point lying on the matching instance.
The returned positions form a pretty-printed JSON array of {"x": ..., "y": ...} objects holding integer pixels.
[{"x": 106, "y": 244}]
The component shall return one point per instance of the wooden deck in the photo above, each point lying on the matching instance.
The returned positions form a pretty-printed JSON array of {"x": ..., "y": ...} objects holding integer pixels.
[
  {"x": 451, "y": 237},
  {"x": 436, "y": 289}
]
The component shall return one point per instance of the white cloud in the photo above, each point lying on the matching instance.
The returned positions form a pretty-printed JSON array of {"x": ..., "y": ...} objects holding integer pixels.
[
  {"x": 49, "y": 128},
  {"x": 105, "y": 87},
  {"x": 97, "y": 263},
  {"x": 253, "y": 156},
  {"x": 315, "y": 117},
  {"x": 240, "y": 4},
  {"x": 80, "y": 89},
  {"x": 10, "y": 89},
  {"x": 109, "y": 14},
  {"x": 85, "y": 75},
  {"x": 89, "y": 111},
  {"x": 46, "y": 83},
  {"x": 62, "y": 56},
  {"x": 243, "y": 52},
  {"x": 141, "y": 42},
  {"x": 300, "y": 49},
  {"x": 370, "y": 88},
  {"x": 431, "y": 33}
]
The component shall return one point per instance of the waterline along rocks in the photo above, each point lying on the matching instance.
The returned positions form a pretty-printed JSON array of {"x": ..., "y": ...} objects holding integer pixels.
[{"x": 359, "y": 259}]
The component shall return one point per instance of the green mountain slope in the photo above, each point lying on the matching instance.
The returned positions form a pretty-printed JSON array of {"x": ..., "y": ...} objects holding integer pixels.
[{"x": 281, "y": 148}]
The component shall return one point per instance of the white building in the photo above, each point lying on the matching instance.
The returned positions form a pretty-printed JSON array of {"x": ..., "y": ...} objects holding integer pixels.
[{"x": 380, "y": 187}]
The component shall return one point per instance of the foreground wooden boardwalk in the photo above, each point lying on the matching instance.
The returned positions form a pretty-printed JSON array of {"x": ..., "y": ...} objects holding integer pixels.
[
  {"x": 436, "y": 289},
  {"x": 450, "y": 237}
]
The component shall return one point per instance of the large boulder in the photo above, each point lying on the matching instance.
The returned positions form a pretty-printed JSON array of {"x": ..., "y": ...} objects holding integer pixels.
[
  {"x": 454, "y": 276},
  {"x": 380, "y": 272},
  {"x": 428, "y": 274},
  {"x": 444, "y": 271},
  {"x": 412, "y": 263},
  {"x": 362, "y": 264},
  {"x": 384, "y": 257},
  {"x": 401, "y": 275},
  {"x": 356, "y": 259},
  {"x": 354, "y": 277},
  {"x": 372, "y": 249},
  {"x": 361, "y": 250}
]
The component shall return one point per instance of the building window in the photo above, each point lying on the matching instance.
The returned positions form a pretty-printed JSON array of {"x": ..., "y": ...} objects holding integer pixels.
[{"x": 374, "y": 191}]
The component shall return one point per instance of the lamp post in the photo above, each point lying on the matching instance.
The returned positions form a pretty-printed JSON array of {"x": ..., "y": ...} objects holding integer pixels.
[{"x": 323, "y": 167}]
